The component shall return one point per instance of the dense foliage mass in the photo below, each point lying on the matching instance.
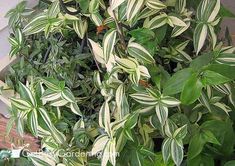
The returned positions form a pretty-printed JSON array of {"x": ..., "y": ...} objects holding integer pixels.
[{"x": 132, "y": 82}]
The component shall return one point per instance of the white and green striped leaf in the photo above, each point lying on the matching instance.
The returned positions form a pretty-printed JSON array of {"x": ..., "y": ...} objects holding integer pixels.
[
  {"x": 99, "y": 144},
  {"x": 127, "y": 64},
  {"x": 166, "y": 149},
  {"x": 177, "y": 152},
  {"x": 176, "y": 21},
  {"x": 50, "y": 95},
  {"x": 104, "y": 117},
  {"x": 144, "y": 71},
  {"x": 21, "y": 104},
  {"x": 156, "y": 22},
  {"x": 155, "y": 4},
  {"x": 144, "y": 98},
  {"x": 97, "y": 51},
  {"x": 180, "y": 133},
  {"x": 226, "y": 58},
  {"x": 80, "y": 27},
  {"x": 199, "y": 36},
  {"x": 133, "y": 8},
  {"x": 108, "y": 44},
  {"x": 75, "y": 109},
  {"x": 59, "y": 103},
  {"x": 162, "y": 113},
  {"x": 68, "y": 95},
  {"x": 33, "y": 122},
  {"x": 115, "y": 3},
  {"x": 178, "y": 30},
  {"x": 26, "y": 94},
  {"x": 180, "y": 6},
  {"x": 42, "y": 159},
  {"x": 170, "y": 101},
  {"x": 36, "y": 25},
  {"x": 139, "y": 52}
]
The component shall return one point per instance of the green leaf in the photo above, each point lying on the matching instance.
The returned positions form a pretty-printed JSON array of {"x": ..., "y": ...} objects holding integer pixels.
[
  {"x": 225, "y": 12},
  {"x": 176, "y": 83},
  {"x": 170, "y": 101},
  {"x": 213, "y": 78},
  {"x": 201, "y": 61},
  {"x": 139, "y": 52},
  {"x": 192, "y": 90},
  {"x": 224, "y": 70},
  {"x": 230, "y": 163},
  {"x": 208, "y": 136},
  {"x": 142, "y": 35},
  {"x": 195, "y": 146}
]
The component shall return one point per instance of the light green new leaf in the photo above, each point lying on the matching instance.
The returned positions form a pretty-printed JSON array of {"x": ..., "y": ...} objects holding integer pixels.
[
  {"x": 139, "y": 52},
  {"x": 108, "y": 44},
  {"x": 155, "y": 4},
  {"x": 177, "y": 152},
  {"x": 144, "y": 98},
  {"x": 199, "y": 36},
  {"x": 162, "y": 113},
  {"x": 133, "y": 8},
  {"x": 192, "y": 90}
]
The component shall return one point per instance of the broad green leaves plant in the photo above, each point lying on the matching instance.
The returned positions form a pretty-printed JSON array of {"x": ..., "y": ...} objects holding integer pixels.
[{"x": 129, "y": 82}]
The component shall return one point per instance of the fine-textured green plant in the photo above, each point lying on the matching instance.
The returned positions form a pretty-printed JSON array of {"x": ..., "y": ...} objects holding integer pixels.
[{"x": 128, "y": 82}]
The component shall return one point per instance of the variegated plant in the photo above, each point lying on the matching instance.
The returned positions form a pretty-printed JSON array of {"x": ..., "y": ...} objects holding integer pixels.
[{"x": 127, "y": 82}]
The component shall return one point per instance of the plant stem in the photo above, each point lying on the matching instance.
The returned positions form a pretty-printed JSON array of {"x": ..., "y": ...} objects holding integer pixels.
[{"x": 120, "y": 31}]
